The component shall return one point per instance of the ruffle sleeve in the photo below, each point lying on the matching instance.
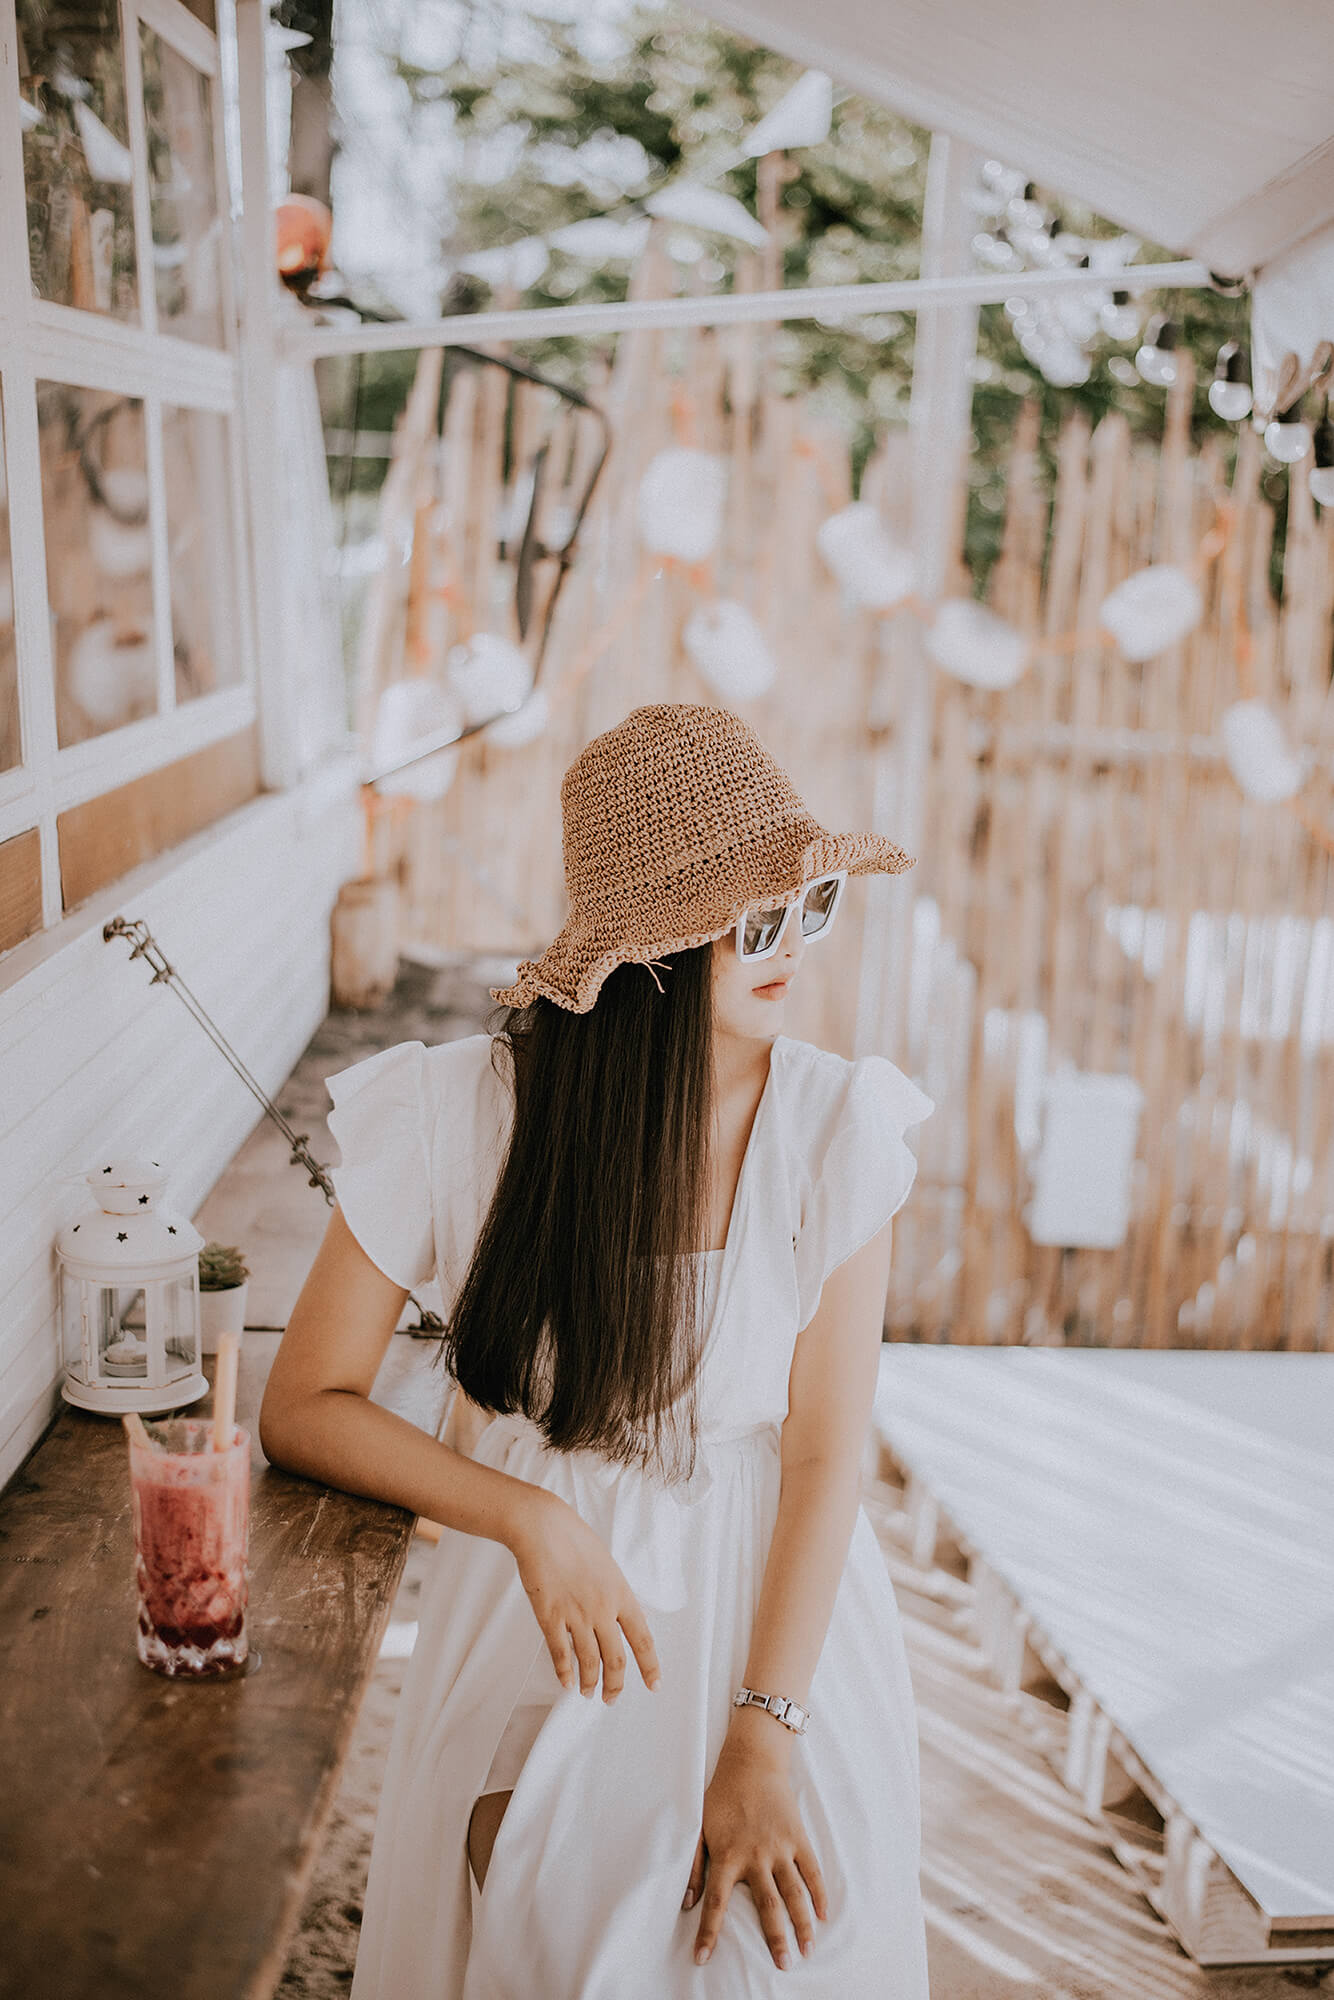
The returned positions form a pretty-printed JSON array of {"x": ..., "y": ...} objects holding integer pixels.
[
  {"x": 863, "y": 1174},
  {"x": 382, "y": 1122}
]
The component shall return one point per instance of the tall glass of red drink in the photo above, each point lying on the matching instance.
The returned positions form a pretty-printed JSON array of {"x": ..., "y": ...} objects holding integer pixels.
[{"x": 191, "y": 1533}]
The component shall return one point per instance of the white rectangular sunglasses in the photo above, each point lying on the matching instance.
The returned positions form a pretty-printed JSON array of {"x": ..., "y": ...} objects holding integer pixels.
[{"x": 760, "y": 927}]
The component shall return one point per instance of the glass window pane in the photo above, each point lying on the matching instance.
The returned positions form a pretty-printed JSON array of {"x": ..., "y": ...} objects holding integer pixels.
[
  {"x": 76, "y": 157},
  {"x": 11, "y": 751},
  {"x": 195, "y": 447},
  {"x": 98, "y": 558},
  {"x": 182, "y": 189}
]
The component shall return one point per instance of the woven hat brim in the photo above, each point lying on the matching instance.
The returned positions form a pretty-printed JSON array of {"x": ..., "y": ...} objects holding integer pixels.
[{"x": 574, "y": 965}]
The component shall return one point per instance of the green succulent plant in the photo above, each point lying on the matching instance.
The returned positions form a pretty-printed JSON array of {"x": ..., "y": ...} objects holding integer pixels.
[{"x": 221, "y": 1267}]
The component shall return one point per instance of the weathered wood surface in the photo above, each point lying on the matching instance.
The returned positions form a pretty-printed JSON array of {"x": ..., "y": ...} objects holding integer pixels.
[{"x": 155, "y": 1837}]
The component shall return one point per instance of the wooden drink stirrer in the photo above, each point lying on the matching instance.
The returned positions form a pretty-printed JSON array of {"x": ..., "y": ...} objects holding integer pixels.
[{"x": 224, "y": 1391}]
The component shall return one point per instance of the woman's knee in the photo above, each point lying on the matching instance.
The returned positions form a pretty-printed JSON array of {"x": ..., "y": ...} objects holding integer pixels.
[{"x": 483, "y": 1826}]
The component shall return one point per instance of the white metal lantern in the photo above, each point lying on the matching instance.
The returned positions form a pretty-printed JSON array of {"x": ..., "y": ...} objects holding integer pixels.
[{"x": 129, "y": 1294}]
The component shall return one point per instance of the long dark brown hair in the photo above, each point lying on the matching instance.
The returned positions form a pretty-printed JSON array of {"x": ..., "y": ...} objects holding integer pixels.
[{"x": 578, "y": 1308}]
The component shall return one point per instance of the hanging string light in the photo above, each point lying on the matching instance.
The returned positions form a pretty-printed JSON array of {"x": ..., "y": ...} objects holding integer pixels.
[
  {"x": 1230, "y": 390},
  {"x": 1156, "y": 359},
  {"x": 1322, "y": 472},
  {"x": 1287, "y": 436},
  {"x": 1120, "y": 317}
]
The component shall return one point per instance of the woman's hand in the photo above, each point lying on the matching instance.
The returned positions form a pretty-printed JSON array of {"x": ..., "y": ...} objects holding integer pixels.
[
  {"x": 580, "y": 1597},
  {"x": 752, "y": 1833}
]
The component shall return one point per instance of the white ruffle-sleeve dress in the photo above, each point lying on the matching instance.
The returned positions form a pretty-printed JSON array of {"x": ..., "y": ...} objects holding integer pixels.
[{"x": 582, "y": 1899}]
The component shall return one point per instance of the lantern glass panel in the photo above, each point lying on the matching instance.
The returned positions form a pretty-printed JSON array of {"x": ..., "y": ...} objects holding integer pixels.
[
  {"x": 121, "y": 1333},
  {"x": 78, "y": 1335},
  {"x": 180, "y": 1324}
]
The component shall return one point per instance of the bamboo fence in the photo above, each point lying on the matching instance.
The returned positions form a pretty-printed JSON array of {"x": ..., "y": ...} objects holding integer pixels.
[{"x": 1090, "y": 873}]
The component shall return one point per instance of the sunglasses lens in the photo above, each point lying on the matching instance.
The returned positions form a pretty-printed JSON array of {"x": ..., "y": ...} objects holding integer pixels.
[
  {"x": 762, "y": 926},
  {"x": 818, "y": 906}
]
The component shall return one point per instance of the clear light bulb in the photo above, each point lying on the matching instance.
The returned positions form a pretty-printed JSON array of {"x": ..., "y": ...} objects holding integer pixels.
[
  {"x": 1155, "y": 360},
  {"x": 1230, "y": 390},
  {"x": 1065, "y": 366},
  {"x": 1230, "y": 400},
  {"x": 1287, "y": 438},
  {"x": 1029, "y": 214},
  {"x": 1322, "y": 472},
  {"x": 1078, "y": 318},
  {"x": 1120, "y": 318},
  {"x": 996, "y": 252},
  {"x": 1156, "y": 367}
]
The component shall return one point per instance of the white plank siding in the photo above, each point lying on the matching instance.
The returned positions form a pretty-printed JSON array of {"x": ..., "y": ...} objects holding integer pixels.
[{"x": 95, "y": 1058}]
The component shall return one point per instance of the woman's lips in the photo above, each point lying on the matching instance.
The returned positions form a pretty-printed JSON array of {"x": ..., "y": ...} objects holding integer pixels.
[{"x": 773, "y": 991}]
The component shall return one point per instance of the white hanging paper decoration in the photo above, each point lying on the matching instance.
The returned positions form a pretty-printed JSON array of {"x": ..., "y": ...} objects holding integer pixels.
[
  {"x": 519, "y": 264},
  {"x": 680, "y": 503},
  {"x": 1258, "y": 754},
  {"x": 526, "y": 723},
  {"x": 113, "y": 678},
  {"x": 600, "y": 239},
  {"x": 1082, "y": 1178},
  {"x": 976, "y": 646},
  {"x": 1151, "y": 610},
  {"x": 489, "y": 674},
  {"x": 801, "y": 117},
  {"x": 730, "y": 650},
  {"x": 121, "y": 548},
  {"x": 873, "y": 570},
  {"x": 108, "y": 159},
  {"x": 707, "y": 208},
  {"x": 409, "y": 712}
]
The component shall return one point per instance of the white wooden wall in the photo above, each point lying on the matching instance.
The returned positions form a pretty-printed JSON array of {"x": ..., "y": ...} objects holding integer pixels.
[{"x": 95, "y": 1059}]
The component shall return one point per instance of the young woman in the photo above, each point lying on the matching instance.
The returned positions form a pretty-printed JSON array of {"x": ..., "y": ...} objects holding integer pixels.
[{"x": 660, "y": 1228}]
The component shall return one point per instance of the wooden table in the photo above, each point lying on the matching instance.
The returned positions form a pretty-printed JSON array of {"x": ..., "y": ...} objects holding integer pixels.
[{"x": 156, "y": 1837}]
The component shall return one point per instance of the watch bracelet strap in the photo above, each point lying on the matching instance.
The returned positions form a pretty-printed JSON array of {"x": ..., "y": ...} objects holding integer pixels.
[{"x": 779, "y": 1706}]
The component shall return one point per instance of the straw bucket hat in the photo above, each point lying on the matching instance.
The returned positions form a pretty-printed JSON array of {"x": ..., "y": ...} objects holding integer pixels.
[{"x": 674, "y": 821}]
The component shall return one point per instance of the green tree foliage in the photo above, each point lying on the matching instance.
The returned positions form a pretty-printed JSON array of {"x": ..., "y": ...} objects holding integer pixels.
[{"x": 553, "y": 128}]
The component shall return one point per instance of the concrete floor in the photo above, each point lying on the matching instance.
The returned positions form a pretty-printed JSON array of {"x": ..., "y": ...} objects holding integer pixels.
[{"x": 1025, "y": 1900}]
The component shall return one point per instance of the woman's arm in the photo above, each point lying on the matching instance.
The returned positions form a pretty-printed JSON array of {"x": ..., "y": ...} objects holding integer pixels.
[
  {"x": 317, "y": 1418},
  {"x": 752, "y": 1828},
  {"x": 830, "y": 1389}
]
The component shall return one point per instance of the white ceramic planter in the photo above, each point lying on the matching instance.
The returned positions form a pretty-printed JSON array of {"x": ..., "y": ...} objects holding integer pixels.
[{"x": 221, "y": 1312}]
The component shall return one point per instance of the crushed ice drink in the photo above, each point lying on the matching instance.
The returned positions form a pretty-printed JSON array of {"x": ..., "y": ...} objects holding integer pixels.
[{"x": 191, "y": 1528}]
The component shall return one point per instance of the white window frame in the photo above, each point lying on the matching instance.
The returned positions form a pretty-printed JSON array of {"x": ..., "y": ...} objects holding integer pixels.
[{"x": 44, "y": 341}]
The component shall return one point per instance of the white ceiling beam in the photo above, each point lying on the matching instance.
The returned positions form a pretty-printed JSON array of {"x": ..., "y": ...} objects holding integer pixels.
[{"x": 730, "y": 308}]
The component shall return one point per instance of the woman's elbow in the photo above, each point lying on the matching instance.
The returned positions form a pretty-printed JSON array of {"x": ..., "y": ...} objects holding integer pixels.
[{"x": 279, "y": 1433}]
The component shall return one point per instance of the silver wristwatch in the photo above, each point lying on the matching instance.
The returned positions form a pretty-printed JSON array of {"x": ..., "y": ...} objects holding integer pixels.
[{"x": 787, "y": 1712}]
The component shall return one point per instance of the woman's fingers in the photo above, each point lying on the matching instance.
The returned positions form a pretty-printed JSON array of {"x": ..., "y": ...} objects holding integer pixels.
[
  {"x": 793, "y": 1891},
  {"x": 562, "y": 1656},
  {"x": 613, "y": 1660},
  {"x": 810, "y": 1869},
  {"x": 635, "y": 1627},
  {"x": 695, "y": 1886},
  {"x": 586, "y": 1651},
  {"x": 722, "y": 1881},
  {"x": 772, "y": 1914}
]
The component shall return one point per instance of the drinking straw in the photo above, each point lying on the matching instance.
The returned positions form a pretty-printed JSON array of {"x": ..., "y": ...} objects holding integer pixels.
[
  {"x": 224, "y": 1391},
  {"x": 134, "y": 1424}
]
